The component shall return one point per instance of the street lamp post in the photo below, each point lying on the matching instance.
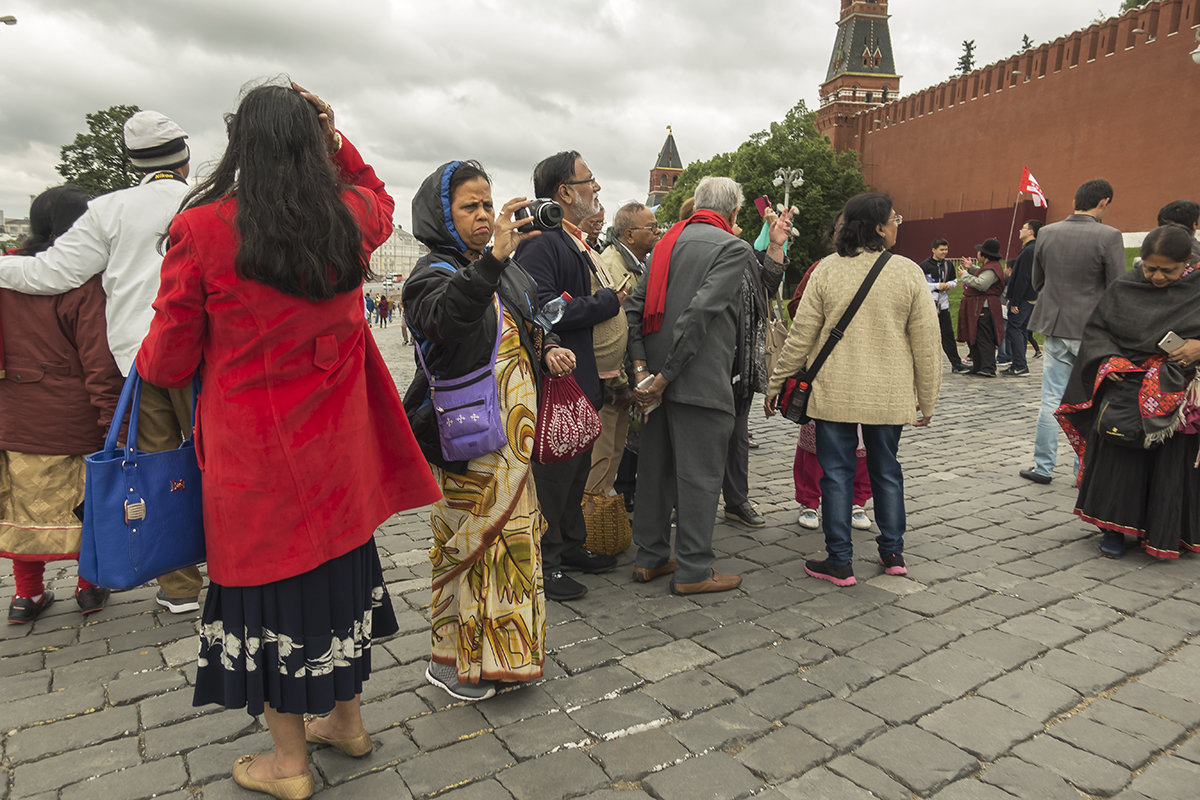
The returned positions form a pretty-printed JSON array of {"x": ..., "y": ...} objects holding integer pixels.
[{"x": 789, "y": 178}]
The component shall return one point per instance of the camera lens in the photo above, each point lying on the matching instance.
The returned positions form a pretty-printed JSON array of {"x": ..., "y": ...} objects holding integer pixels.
[
  {"x": 549, "y": 214},
  {"x": 543, "y": 215}
]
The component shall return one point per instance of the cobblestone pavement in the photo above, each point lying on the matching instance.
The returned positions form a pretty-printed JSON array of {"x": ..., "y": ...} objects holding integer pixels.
[{"x": 1013, "y": 661}]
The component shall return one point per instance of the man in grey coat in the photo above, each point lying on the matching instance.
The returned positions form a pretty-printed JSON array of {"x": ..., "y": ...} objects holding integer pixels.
[
  {"x": 1074, "y": 262},
  {"x": 682, "y": 332}
]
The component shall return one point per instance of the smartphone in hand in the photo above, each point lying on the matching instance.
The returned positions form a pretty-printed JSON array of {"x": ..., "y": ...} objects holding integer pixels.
[
  {"x": 762, "y": 204},
  {"x": 645, "y": 384},
  {"x": 1171, "y": 342}
]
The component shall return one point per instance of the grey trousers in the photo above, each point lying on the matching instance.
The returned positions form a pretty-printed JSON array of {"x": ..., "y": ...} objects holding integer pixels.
[
  {"x": 681, "y": 463},
  {"x": 560, "y": 494},
  {"x": 736, "y": 485}
]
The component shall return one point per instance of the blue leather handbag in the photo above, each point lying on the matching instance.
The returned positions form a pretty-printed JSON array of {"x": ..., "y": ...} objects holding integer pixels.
[{"x": 142, "y": 515}]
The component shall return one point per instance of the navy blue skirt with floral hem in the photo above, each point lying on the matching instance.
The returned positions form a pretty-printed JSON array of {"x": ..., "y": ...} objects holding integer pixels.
[{"x": 298, "y": 645}]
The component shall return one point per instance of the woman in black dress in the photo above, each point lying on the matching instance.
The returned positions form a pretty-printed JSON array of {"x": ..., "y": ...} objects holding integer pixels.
[{"x": 1141, "y": 478}]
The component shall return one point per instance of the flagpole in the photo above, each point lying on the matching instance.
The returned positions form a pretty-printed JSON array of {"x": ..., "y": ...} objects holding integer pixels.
[{"x": 1012, "y": 226}]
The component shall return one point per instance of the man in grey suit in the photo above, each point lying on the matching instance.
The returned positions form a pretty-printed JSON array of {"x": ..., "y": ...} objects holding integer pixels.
[
  {"x": 682, "y": 332},
  {"x": 1073, "y": 264}
]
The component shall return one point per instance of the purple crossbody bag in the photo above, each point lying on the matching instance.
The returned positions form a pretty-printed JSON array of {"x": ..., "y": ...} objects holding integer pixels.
[{"x": 467, "y": 408}]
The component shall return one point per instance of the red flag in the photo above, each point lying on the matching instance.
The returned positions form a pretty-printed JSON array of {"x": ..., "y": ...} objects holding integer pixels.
[{"x": 1030, "y": 184}]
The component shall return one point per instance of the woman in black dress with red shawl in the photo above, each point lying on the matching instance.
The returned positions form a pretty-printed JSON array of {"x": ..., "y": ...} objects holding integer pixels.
[{"x": 1147, "y": 486}]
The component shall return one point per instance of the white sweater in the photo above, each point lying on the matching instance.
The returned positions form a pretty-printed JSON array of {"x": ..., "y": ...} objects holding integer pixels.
[{"x": 118, "y": 236}]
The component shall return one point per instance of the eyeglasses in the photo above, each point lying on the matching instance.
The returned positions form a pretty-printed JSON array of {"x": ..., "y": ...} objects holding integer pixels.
[
  {"x": 589, "y": 179},
  {"x": 897, "y": 218},
  {"x": 651, "y": 228}
]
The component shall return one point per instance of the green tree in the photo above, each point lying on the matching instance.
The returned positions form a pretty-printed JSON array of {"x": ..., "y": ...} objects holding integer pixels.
[
  {"x": 829, "y": 180},
  {"x": 966, "y": 62},
  {"x": 1129, "y": 4},
  {"x": 1026, "y": 42},
  {"x": 96, "y": 161}
]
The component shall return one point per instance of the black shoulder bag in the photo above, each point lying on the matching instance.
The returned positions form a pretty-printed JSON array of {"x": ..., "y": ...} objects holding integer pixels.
[{"x": 793, "y": 400}]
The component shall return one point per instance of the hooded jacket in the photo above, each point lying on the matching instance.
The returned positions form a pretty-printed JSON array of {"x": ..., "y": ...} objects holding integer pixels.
[{"x": 448, "y": 304}]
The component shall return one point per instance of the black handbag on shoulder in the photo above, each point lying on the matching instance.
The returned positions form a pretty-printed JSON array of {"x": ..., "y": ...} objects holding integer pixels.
[{"x": 793, "y": 399}]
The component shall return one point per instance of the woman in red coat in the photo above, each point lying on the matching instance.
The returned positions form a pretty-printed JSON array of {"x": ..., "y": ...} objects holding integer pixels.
[{"x": 302, "y": 439}]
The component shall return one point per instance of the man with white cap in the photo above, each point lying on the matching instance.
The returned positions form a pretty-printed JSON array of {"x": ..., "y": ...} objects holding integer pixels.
[{"x": 117, "y": 237}]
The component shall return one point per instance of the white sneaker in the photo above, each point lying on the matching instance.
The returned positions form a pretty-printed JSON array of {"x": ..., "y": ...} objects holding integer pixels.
[
  {"x": 809, "y": 518},
  {"x": 859, "y": 519}
]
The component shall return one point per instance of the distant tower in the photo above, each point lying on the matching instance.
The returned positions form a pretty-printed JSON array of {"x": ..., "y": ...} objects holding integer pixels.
[
  {"x": 862, "y": 70},
  {"x": 665, "y": 172}
]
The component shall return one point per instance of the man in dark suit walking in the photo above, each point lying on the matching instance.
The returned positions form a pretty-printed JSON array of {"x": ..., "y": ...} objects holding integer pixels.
[{"x": 1074, "y": 262}]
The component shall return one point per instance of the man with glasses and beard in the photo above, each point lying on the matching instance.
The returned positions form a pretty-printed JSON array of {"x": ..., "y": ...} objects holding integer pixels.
[
  {"x": 561, "y": 261},
  {"x": 635, "y": 232}
]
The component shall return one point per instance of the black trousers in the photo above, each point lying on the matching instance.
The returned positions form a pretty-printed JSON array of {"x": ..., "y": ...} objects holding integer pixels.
[
  {"x": 560, "y": 494},
  {"x": 949, "y": 346},
  {"x": 983, "y": 352}
]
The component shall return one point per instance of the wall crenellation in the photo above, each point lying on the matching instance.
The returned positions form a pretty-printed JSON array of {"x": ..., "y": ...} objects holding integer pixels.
[{"x": 1075, "y": 50}]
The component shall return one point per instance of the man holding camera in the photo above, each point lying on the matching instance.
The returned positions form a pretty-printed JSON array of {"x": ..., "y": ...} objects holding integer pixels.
[{"x": 560, "y": 261}]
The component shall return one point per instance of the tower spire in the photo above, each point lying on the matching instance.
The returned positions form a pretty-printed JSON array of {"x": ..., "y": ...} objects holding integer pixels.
[
  {"x": 862, "y": 69},
  {"x": 666, "y": 170}
]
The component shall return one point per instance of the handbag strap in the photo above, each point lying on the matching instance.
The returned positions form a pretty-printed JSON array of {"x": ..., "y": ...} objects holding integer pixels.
[
  {"x": 839, "y": 330},
  {"x": 495, "y": 347},
  {"x": 131, "y": 401},
  {"x": 118, "y": 417}
]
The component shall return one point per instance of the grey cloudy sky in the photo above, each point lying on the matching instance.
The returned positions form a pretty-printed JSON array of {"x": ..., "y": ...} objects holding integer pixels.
[{"x": 415, "y": 84}]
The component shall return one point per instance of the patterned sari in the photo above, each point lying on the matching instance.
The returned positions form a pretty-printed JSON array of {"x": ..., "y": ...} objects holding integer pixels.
[{"x": 489, "y": 610}]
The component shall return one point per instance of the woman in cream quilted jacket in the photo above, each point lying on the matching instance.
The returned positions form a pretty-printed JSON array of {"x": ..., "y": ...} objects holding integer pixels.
[{"x": 885, "y": 373}]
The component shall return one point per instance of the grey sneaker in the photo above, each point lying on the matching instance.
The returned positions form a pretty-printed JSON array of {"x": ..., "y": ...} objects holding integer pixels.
[
  {"x": 177, "y": 605},
  {"x": 446, "y": 677}
]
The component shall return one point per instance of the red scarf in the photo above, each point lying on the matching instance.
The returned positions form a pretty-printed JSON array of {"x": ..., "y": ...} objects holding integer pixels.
[{"x": 660, "y": 265}]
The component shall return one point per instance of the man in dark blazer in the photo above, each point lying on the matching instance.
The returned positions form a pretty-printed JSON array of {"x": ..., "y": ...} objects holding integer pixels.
[
  {"x": 682, "y": 332},
  {"x": 1021, "y": 297},
  {"x": 1074, "y": 262},
  {"x": 560, "y": 262}
]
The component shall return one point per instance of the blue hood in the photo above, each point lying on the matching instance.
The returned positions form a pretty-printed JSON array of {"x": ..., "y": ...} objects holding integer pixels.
[{"x": 432, "y": 224}]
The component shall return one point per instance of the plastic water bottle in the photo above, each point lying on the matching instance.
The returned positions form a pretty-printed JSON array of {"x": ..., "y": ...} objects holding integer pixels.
[{"x": 552, "y": 312}]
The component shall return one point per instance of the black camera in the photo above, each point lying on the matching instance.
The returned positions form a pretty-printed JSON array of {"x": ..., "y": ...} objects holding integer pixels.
[{"x": 543, "y": 215}]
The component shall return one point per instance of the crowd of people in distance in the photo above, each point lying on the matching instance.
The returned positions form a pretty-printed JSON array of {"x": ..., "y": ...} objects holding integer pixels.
[{"x": 306, "y": 446}]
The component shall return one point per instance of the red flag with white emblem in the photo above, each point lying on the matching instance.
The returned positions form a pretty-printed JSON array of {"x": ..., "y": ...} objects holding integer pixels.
[{"x": 1030, "y": 184}]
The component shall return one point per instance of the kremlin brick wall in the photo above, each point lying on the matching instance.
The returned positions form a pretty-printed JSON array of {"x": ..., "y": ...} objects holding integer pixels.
[{"x": 1100, "y": 102}]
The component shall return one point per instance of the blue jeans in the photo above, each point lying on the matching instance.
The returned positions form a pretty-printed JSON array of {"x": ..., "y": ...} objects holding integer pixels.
[
  {"x": 1060, "y": 358},
  {"x": 1015, "y": 332},
  {"x": 836, "y": 443}
]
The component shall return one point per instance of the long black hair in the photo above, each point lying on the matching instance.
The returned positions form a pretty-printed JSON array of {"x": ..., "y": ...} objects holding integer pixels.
[
  {"x": 51, "y": 214},
  {"x": 295, "y": 233}
]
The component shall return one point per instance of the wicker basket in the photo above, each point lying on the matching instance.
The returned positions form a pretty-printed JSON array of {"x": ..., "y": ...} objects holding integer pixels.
[{"x": 608, "y": 530}]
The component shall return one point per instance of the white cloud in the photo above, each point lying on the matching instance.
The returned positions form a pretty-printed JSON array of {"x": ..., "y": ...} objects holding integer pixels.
[{"x": 419, "y": 83}]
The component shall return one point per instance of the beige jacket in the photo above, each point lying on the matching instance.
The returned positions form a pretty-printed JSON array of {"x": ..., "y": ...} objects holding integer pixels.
[{"x": 890, "y": 358}]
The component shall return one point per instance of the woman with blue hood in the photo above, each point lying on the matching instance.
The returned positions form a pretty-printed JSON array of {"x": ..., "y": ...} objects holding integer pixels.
[{"x": 488, "y": 607}]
